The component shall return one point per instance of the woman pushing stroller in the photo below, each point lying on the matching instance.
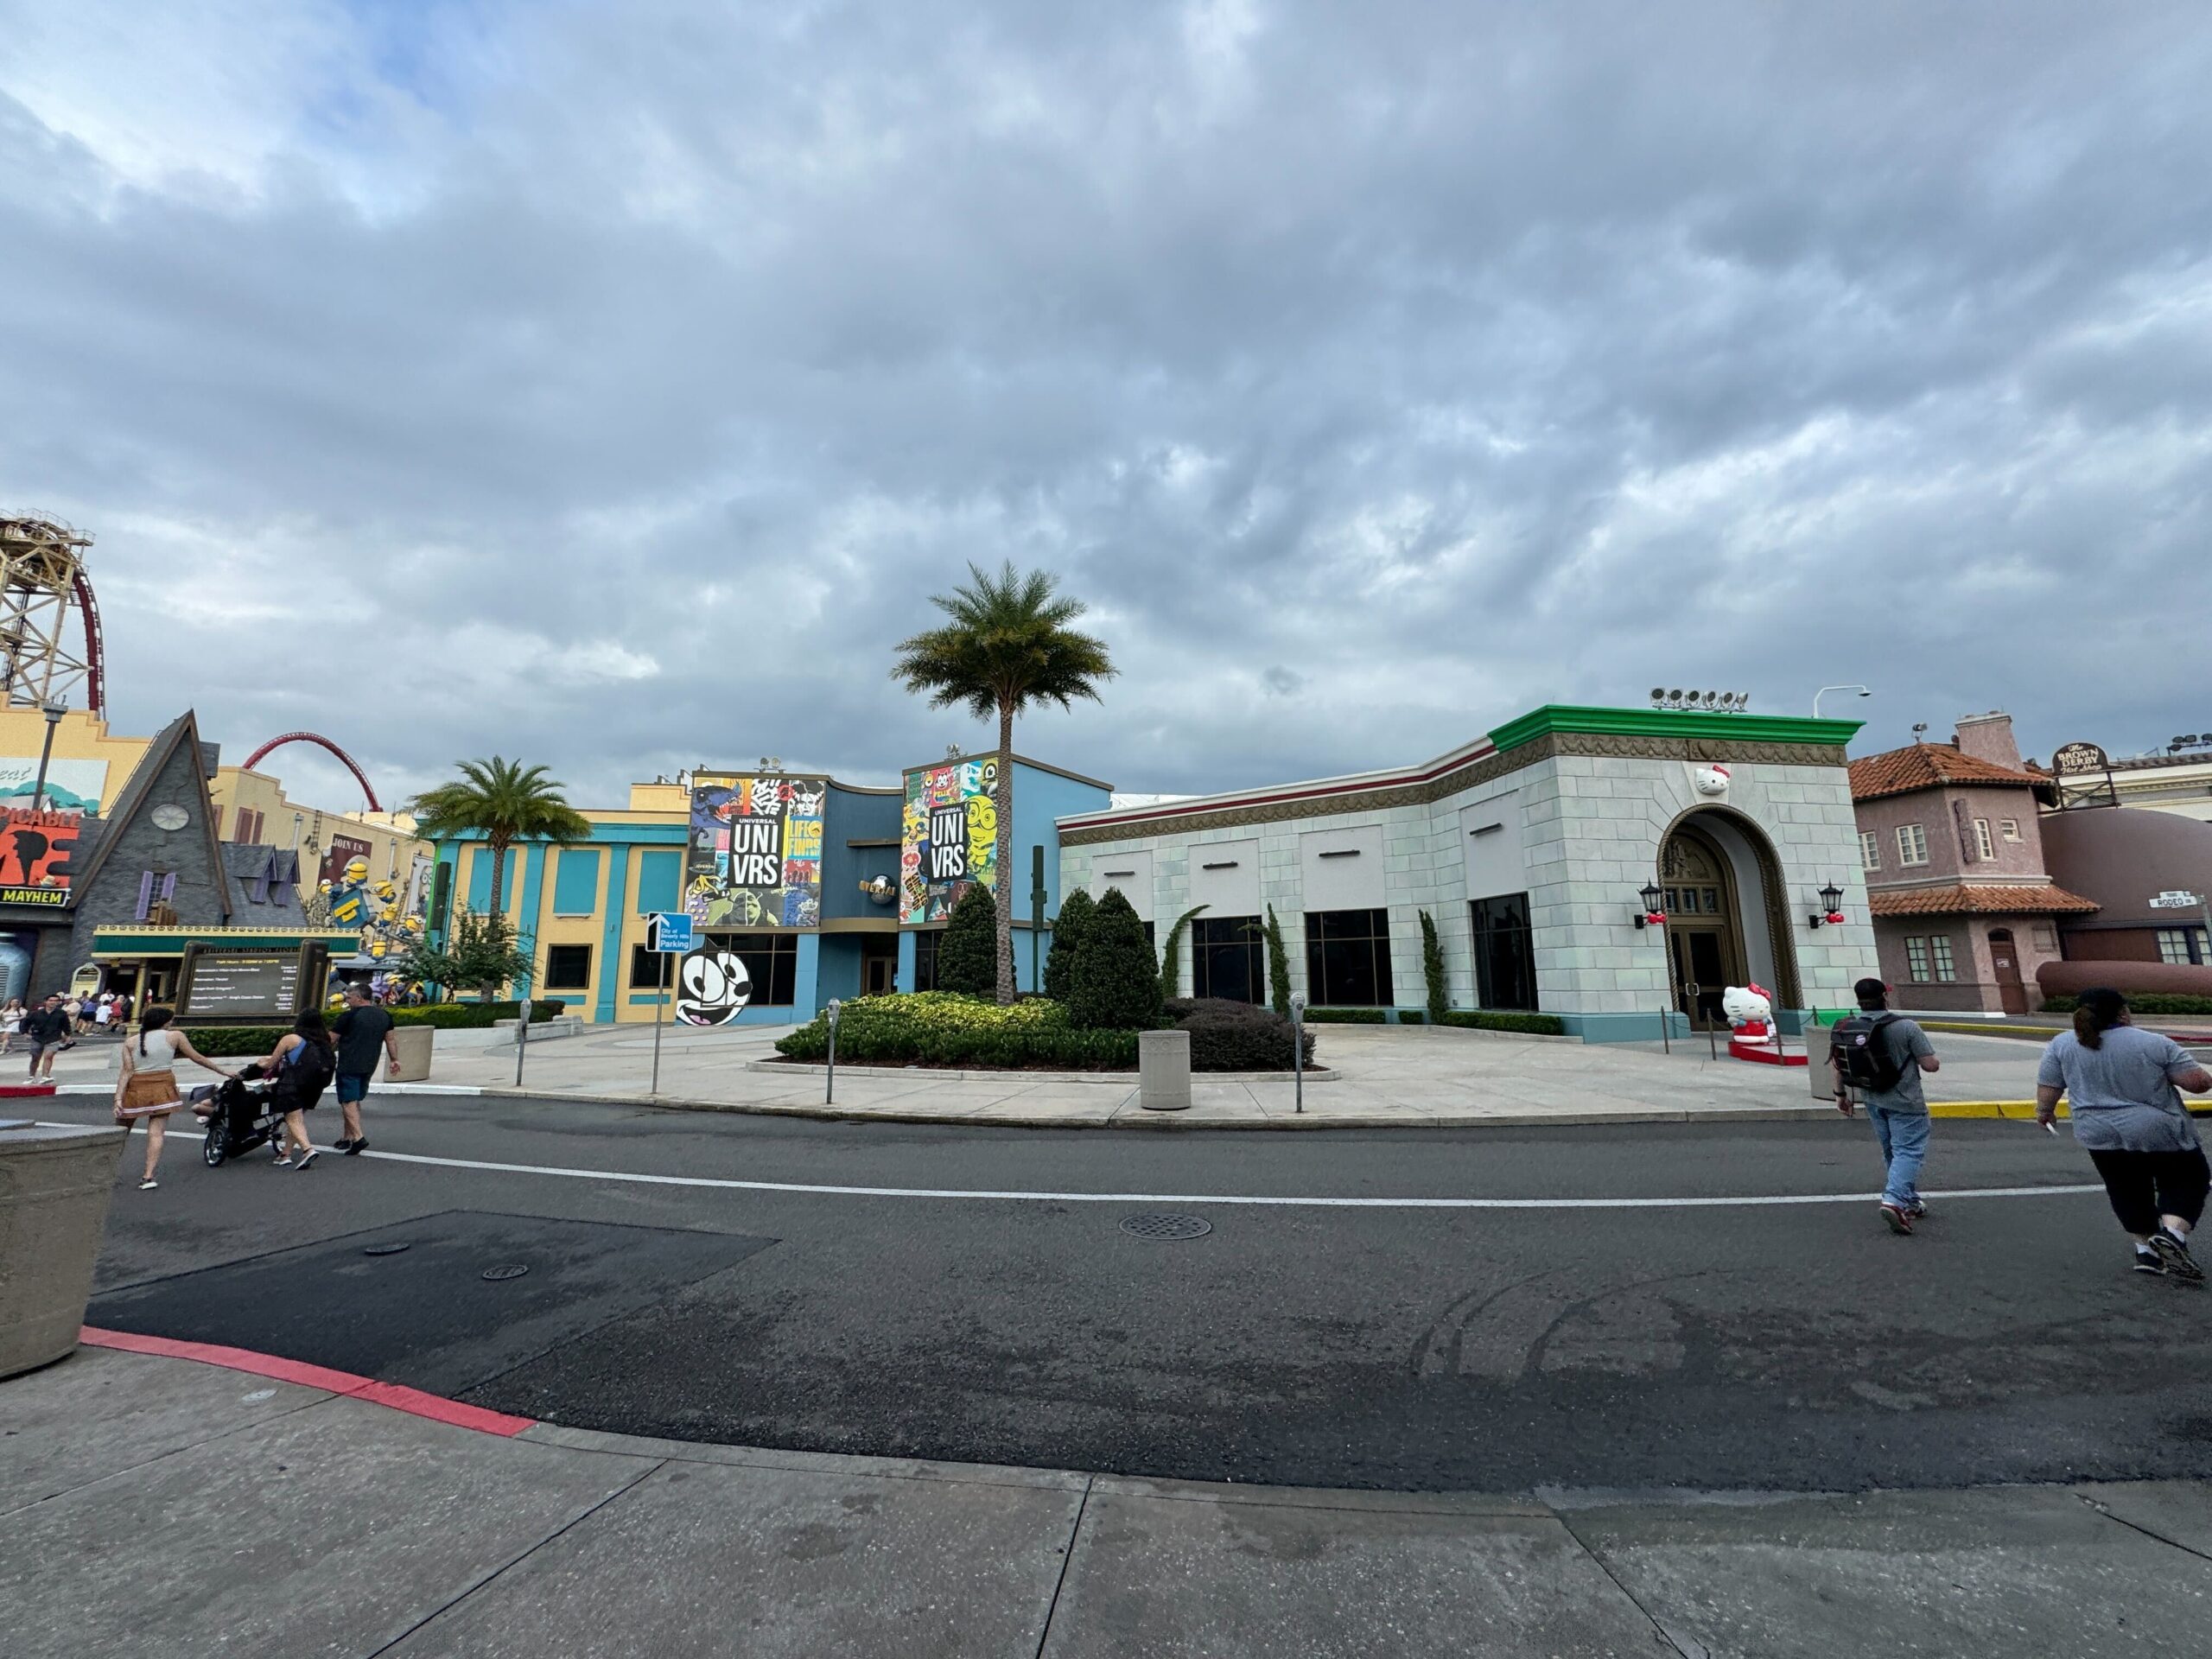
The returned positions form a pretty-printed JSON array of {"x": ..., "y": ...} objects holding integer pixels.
[
  {"x": 147, "y": 1088},
  {"x": 300, "y": 1068}
]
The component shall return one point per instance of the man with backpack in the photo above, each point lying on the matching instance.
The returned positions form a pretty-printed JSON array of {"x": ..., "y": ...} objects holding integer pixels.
[{"x": 1880, "y": 1056}]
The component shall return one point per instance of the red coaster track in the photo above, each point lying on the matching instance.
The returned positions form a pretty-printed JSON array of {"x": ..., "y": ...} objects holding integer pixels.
[{"x": 321, "y": 741}]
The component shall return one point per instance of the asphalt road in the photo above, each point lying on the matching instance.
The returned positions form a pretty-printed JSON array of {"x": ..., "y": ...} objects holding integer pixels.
[{"x": 1611, "y": 1344}]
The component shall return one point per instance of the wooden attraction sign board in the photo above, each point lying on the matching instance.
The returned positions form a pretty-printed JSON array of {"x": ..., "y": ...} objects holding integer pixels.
[{"x": 245, "y": 985}]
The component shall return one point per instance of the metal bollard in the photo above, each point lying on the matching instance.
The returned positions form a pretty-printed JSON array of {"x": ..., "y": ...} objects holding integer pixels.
[
  {"x": 829, "y": 1091},
  {"x": 1298, "y": 1048},
  {"x": 521, "y": 1037}
]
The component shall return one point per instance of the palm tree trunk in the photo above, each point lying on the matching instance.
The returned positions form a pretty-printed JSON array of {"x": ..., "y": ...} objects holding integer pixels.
[
  {"x": 1003, "y": 888},
  {"x": 496, "y": 906}
]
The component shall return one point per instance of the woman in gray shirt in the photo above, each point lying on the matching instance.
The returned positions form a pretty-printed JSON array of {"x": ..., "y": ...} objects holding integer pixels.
[{"x": 2120, "y": 1083}]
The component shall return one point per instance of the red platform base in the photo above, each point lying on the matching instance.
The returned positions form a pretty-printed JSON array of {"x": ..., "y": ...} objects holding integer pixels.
[
  {"x": 1763, "y": 1054},
  {"x": 23, "y": 1091}
]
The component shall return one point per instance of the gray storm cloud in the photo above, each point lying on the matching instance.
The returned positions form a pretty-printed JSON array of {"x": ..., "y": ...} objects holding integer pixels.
[{"x": 610, "y": 385}]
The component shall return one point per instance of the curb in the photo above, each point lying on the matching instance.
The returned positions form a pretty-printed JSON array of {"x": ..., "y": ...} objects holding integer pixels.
[
  {"x": 414, "y": 1401},
  {"x": 935, "y": 1074}
]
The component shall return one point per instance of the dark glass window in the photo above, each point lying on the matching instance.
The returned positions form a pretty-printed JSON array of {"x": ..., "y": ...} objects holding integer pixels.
[
  {"x": 567, "y": 966},
  {"x": 1505, "y": 954},
  {"x": 926, "y": 959},
  {"x": 771, "y": 962},
  {"x": 651, "y": 971},
  {"x": 1227, "y": 958},
  {"x": 1348, "y": 958}
]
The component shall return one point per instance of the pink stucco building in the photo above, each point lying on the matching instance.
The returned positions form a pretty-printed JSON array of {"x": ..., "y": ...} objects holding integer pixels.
[{"x": 1950, "y": 838}]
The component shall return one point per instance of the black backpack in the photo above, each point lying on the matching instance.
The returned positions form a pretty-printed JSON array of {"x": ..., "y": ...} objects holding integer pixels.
[
  {"x": 301, "y": 1083},
  {"x": 1860, "y": 1057}
]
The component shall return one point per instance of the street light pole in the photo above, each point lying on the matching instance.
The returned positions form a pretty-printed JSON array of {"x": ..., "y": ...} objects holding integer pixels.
[
  {"x": 1825, "y": 689},
  {"x": 53, "y": 711}
]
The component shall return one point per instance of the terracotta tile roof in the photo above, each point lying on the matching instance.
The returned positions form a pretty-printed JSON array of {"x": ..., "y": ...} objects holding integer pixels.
[
  {"x": 1959, "y": 899},
  {"x": 1929, "y": 766}
]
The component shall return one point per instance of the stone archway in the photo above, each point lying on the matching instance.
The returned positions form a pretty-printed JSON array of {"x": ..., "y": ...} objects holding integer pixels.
[{"x": 1746, "y": 852}]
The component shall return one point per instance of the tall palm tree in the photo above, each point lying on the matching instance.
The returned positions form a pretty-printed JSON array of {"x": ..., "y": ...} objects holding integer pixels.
[
  {"x": 503, "y": 802},
  {"x": 1008, "y": 646}
]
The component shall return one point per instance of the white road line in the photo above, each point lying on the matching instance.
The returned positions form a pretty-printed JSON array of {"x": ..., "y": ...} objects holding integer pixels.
[{"x": 1193, "y": 1199}]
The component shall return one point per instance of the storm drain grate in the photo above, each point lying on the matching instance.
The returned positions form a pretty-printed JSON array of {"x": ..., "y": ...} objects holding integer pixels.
[
  {"x": 1166, "y": 1227},
  {"x": 384, "y": 1249},
  {"x": 506, "y": 1270}
]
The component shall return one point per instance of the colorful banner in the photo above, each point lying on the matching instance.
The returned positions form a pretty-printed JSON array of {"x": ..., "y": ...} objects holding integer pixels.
[
  {"x": 947, "y": 837},
  {"x": 71, "y": 785},
  {"x": 344, "y": 849},
  {"x": 755, "y": 857},
  {"x": 35, "y": 851}
]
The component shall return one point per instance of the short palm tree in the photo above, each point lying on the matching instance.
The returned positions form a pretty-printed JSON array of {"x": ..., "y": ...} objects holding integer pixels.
[
  {"x": 502, "y": 802},
  {"x": 1008, "y": 646}
]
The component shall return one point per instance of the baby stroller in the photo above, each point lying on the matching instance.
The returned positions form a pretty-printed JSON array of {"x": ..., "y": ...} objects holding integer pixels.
[{"x": 239, "y": 1114}]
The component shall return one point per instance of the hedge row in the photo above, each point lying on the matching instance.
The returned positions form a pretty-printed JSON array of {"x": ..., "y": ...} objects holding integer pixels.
[
  {"x": 1344, "y": 1017},
  {"x": 1536, "y": 1024},
  {"x": 2146, "y": 1003},
  {"x": 218, "y": 1040},
  {"x": 939, "y": 1028}
]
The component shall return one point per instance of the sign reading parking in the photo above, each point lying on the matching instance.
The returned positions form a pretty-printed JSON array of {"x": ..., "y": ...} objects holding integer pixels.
[{"x": 673, "y": 931}]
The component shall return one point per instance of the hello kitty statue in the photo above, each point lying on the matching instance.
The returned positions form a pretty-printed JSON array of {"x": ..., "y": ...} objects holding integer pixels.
[{"x": 1751, "y": 1035}]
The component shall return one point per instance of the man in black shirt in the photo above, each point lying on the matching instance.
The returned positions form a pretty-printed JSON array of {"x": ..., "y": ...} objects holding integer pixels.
[
  {"x": 48, "y": 1027},
  {"x": 361, "y": 1031}
]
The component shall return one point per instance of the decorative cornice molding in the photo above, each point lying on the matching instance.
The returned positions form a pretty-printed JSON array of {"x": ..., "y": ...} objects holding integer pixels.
[{"x": 1543, "y": 747}]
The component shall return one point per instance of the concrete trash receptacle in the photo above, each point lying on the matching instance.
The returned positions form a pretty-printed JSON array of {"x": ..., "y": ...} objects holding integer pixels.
[
  {"x": 54, "y": 1186},
  {"x": 413, "y": 1044},
  {"x": 1163, "y": 1071}
]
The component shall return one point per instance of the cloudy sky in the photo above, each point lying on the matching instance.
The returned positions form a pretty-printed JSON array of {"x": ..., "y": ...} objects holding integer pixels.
[{"x": 610, "y": 384}]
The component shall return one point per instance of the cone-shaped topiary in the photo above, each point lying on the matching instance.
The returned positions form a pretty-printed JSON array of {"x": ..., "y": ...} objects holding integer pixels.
[
  {"x": 1115, "y": 985},
  {"x": 1432, "y": 971},
  {"x": 966, "y": 956},
  {"x": 1076, "y": 911},
  {"x": 1278, "y": 967}
]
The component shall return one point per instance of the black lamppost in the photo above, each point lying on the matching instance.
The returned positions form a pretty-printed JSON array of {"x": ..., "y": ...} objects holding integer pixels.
[
  {"x": 1653, "y": 896},
  {"x": 53, "y": 711},
  {"x": 1831, "y": 910}
]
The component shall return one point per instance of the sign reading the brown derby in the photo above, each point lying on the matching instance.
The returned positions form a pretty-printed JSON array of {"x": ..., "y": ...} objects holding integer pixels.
[
  {"x": 2080, "y": 757},
  {"x": 243, "y": 984}
]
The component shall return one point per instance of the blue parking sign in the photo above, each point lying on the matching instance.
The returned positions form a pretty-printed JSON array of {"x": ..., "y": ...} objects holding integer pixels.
[{"x": 673, "y": 931}]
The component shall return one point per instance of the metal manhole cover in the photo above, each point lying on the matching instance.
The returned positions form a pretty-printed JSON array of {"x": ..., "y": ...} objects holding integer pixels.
[
  {"x": 1165, "y": 1227},
  {"x": 384, "y": 1249},
  {"x": 506, "y": 1270}
]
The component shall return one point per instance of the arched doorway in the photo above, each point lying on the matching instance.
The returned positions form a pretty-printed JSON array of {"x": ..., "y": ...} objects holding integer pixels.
[
  {"x": 1704, "y": 931},
  {"x": 1727, "y": 913}
]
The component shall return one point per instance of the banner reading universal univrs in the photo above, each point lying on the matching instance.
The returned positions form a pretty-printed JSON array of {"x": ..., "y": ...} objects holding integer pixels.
[{"x": 755, "y": 854}]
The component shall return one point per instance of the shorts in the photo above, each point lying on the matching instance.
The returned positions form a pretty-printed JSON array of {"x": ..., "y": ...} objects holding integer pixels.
[{"x": 353, "y": 1087}]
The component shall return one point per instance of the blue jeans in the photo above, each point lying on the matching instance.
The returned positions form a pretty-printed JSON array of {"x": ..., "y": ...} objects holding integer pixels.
[{"x": 1904, "y": 1136}]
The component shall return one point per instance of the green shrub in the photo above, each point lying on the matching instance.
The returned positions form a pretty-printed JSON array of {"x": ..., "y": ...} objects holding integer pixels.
[
  {"x": 471, "y": 1016},
  {"x": 1432, "y": 971},
  {"x": 1536, "y": 1024},
  {"x": 2147, "y": 1002},
  {"x": 1278, "y": 967},
  {"x": 1346, "y": 1017},
  {"x": 1228, "y": 1036},
  {"x": 940, "y": 1028},
  {"x": 1076, "y": 911},
  {"x": 1171, "y": 955},
  {"x": 1412, "y": 1016},
  {"x": 234, "y": 1042},
  {"x": 967, "y": 959},
  {"x": 1116, "y": 983}
]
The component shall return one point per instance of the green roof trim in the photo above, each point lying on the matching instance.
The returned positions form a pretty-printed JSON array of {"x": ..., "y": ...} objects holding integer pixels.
[{"x": 1554, "y": 717}]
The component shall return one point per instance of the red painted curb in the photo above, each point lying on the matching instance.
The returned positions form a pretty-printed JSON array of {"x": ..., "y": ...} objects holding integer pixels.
[{"x": 414, "y": 1401}]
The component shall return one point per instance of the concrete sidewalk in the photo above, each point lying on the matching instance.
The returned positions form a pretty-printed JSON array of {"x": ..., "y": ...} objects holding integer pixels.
[
  {"x": 1378, "y": 1076},
  {"x": 162, "y": 1505}
]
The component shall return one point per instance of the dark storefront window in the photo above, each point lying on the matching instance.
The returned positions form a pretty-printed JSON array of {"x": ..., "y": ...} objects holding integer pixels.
[
  {"x": 651, "y": 971},
  {"x": 1505, "y": 956},
  {"x": 771, "y": 962},
  {"x": 1348, "y": 958},
  {"x": 1227, "y": 958},
  {"x": 567, "y": 966},
  {"x": 926, "y": 959}
]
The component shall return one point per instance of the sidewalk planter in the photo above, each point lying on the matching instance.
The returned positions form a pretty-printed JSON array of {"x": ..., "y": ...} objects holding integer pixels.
[
  {"x": 54, "y": 1186},
  {"x": 1163, "y": 1071},
  {"x": 412, "y": 1044}
]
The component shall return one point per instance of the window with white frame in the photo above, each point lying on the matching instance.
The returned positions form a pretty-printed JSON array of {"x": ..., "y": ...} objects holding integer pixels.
[
  {"x": 1912, "y": 845},
  {"x": 1938, "y": 947},
  {"x": 2008, "y": 828},
  {"x": 2182, "y": 945},
  {"x": 1870, "y": 850},
  {"x": 1916, "y": 958},
  {"x": 1984, "y": 845}
]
